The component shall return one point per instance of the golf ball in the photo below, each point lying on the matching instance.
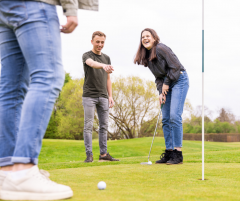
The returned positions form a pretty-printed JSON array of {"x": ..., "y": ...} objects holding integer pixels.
[
  {"x": 101, "y": 185},
  {"x": 149, "y": 163}
]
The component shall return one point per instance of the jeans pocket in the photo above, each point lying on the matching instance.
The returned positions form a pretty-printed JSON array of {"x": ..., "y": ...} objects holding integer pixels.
[{"x": 17, "y": 14}]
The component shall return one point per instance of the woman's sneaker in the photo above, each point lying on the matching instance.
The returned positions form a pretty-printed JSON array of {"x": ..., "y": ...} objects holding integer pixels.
[
  {"x": 108, "y": 157},
  {"x": 35, "y": 185},
  {"x": 176, "y": 159},
  {"x": 166, "y": 156}
]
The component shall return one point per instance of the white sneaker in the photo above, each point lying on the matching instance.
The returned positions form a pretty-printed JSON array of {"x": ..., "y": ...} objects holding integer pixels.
[
  {"x": 34, "y": 186},
  {"x": 2, "y": 177}
]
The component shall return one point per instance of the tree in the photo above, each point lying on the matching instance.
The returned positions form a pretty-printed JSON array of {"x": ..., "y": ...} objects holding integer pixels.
[
  {"x": 225, "y": 123},
  {"x": 70, "y": 111},
  {"x": 136, "y": 102},
  {"x": 237, "y": 124},
  {"x": 226, "y": 116},
  {"x": 148, "y": 128},
  {"x": 52, "y": 128},
  {"x": 67, "y": 78},
  {"x": 135, "y": 112}
]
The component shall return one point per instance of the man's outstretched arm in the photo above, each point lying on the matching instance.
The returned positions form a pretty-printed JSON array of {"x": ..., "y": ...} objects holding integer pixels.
[{"x": 97, "y": 65}]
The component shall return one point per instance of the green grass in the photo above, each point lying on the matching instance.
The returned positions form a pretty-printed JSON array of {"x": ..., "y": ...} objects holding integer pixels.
[{"x": 128, "y": 180}]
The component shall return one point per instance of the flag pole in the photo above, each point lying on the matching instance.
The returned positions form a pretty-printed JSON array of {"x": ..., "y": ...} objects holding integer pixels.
[{"x": 202, "y": 89}]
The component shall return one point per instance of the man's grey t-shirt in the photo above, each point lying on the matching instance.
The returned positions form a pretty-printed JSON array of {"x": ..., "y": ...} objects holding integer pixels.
[{"x": 95, "y": 83}]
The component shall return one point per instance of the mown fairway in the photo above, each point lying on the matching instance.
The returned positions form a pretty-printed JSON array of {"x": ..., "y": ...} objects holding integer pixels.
[{"x": 128, "y": 180}]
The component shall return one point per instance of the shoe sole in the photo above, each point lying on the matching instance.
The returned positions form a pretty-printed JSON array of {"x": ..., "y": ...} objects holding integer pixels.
[
  {"x": 107, "y": 161},
  {"x": 11, "y": 195},
  {"x": 88, "y": 162},
  {"x": 174, "y": 164}
]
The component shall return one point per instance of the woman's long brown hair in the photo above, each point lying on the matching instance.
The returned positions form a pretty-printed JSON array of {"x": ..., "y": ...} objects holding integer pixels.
[{"x": 141, "y": 57}]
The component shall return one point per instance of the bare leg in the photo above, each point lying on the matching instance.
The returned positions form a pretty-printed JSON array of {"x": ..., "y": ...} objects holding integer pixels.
[
  {"x": 7, "y": 168},
  {"x": 21, "y": 166}
]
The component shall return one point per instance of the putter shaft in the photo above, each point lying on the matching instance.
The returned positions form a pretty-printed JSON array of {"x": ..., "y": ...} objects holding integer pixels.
[{"x": 155, "y": 132}]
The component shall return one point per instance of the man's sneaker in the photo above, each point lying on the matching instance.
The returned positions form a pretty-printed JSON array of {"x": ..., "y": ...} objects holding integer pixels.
[
  {"x": 2, "y": 177},
  {"x": 89, "y": 159},
  {"x": 107, "y": 158},
  {"x": 177, "y": 158},
  {"x": 166, "y": 156},
  {"x": 35, "y": 185}
]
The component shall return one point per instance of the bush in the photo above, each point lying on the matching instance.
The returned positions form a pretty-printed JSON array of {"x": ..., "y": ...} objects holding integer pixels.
[
  {"x": 70, "y": 112},
  {"x": 194, "y": 125}
]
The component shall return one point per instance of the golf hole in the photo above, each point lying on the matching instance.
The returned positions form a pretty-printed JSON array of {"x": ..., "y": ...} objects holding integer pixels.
[{"x": 204, "y": 179}]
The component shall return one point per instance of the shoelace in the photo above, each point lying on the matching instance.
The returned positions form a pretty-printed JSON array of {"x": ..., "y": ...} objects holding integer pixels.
[
  {"x": 162, "y": 155},
  {"x": 109, "y": 155},
  {"x": 89, "y": 157},
  {"x": 45, "y": 173},
  {"x": 45, "y": 177}
]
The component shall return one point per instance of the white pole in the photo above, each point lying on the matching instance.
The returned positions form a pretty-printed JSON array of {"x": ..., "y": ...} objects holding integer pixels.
[{"x": 202, "y": 89}]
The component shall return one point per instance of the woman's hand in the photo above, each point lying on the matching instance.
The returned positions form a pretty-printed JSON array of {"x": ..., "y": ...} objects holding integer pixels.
[
  {"x": 162, "y": 99},
  {"x": 165, "y": 89}
]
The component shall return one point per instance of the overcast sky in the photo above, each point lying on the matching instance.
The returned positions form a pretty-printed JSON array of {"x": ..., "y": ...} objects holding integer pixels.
[{"x": 179, "y": 26}]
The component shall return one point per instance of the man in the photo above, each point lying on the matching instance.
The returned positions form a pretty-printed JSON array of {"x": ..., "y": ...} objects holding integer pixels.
[
  {"x": 31, "y": 77},
  {"x": 97, "y": 92}
]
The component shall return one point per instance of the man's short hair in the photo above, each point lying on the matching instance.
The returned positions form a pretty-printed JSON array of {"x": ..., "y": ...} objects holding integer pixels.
[{"x": 98, "y": 33}]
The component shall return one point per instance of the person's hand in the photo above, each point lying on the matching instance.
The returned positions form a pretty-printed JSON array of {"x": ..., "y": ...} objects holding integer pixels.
[
  {"x": 108, "y": 68},
  {"x": 111, "y": 102},
  {"x": 162, "y": 99},
  {"x": 72, "y": 22},
  {"x": 165, "y": 89}
]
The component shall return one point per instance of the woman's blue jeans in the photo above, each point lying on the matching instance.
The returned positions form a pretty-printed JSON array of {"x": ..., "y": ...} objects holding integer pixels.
[
  {"x": 32, "y": 76},
  {"x": 172, "y": 112}
]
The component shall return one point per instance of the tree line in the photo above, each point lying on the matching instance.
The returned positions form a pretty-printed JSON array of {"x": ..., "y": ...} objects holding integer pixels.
[
  {"x": 134, "y": 115},
  {"x": 225, "y": 122}
]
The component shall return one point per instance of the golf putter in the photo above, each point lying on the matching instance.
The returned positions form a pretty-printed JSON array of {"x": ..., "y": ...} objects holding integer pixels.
[{"x": 149, "y": 162}]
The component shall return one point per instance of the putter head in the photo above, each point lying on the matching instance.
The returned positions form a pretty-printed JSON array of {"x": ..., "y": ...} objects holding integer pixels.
[{"x": 146, "y": 163}]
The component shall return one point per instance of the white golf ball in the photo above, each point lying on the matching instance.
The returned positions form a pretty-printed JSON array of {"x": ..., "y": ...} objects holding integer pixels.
[
  {"x": 101, "y": 185},
  {"x": 149, "y": 163}
]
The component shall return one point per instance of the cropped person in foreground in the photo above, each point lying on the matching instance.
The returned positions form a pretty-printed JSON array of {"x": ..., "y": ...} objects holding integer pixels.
[
  {"x": 97, "y": 93},
  {"x": 32, "y": 76},
  {"x": 172, "y": 83}
]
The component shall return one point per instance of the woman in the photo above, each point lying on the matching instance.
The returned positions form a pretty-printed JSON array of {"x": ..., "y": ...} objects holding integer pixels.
[{"x": 172, "y": 83}]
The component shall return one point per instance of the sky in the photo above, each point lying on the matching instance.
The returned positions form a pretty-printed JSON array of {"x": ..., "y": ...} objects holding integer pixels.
[{"x": 179, "y": 26}]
